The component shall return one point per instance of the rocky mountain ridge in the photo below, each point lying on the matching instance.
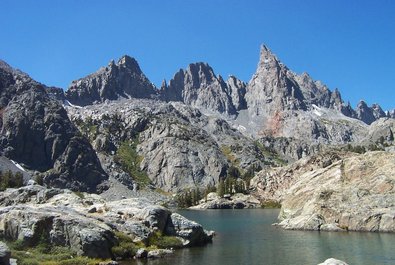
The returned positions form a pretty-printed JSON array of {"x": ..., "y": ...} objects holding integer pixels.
[
  {"x": 276, "y": 103},
  {"x": 272, "y": 89},
  {"x": 209, "y": 124},
  {"x": 37, "y": 133}
]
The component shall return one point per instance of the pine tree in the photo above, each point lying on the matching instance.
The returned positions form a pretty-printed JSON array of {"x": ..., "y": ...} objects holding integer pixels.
[{"x": 221, "y": 188}]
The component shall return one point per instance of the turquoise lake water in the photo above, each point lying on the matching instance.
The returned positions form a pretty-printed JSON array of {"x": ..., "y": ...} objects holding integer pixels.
[{"x": 248, "y": 237}]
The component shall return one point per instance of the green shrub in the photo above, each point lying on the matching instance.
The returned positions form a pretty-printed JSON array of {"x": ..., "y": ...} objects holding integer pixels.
[
  {"x": 130, "y": 160},
  {"x": 162, "y": 241},
  {"x": 126, "y": 248},
  {"x": 39, "y": 179},
  {"x": 326, "y": 194},
  {"x": 10, "y": 180},
  {"x": 17, "y": 245},
  {"x": 45, "y": 254},
  {"x": 80, "y": 194},
  {"x": 29, "y": 261}
]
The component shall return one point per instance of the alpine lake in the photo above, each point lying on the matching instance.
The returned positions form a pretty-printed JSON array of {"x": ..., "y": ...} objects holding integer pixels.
[{"x": 248, "y": 237}]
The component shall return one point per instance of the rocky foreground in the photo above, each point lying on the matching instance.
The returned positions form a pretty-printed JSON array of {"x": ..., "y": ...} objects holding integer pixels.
[
  {"x": 86, "y": 223},
  {"x": 335, "y": 192}
]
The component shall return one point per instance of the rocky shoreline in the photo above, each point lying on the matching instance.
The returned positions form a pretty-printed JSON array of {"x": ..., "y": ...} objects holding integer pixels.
[
  {"x": 334, "y": 192},
  {"x": 87, "y": 224}
]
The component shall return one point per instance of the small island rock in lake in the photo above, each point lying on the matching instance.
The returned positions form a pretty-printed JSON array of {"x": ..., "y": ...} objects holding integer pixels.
[{"x": 234, "y": 201}]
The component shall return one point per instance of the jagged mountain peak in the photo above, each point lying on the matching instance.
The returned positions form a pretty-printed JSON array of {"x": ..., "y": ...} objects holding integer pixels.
[
  {"x": 369, "y": 114},
  {"x": 200, "y": 87},
  {"x": 200, "y": 72},
  {"x": 130, "y": 63},
  {"x": 163, "y": 86},
  {"x": 123, "y": 79},
  {"x": 362, "y": 104},
  {"x": 273, "y": 87},
  {"x": 268, "y": 60},
  {"x": 265, "y": 51}
]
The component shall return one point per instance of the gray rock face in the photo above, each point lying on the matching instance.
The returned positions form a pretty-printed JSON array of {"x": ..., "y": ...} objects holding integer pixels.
[
  {"x": 56, "y": 93},
  {"x": 237, "y": 90},
  {"x": 5, "y": 254},
  {"x": 290, "y": 149},
  {"x": 198, "y": 86},
  {"x": 37, "y": 133},
  {"x": 179, "y": 147},
  {"x": 123, "y": 79},
  {"x": 315, "y": 92}
]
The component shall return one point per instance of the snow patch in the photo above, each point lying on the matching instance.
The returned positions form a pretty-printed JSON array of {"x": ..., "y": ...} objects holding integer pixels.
[
  {"x": 18, "y": 165},
  {"x": 317, "y": 113},
  {"x": 266, "y": 61},
  {"x": 317, "y": 110},
  {"x": 241, "y": 128},
  {"x": 68, "y": 103}
]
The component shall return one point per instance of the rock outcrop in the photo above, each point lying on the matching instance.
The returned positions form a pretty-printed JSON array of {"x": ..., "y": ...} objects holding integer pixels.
[
  {"x": 272, "y": 184},
  {"x": 85, "y": 222},
  {"x": 37, "y": 133},
  {"x": 123, "y": 79},
  {"x": 353, "y": 193}
]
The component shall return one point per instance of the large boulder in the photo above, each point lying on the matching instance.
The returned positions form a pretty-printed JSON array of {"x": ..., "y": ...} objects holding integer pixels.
[
  {"x": 59, "y": 227},
  {"x": 191, "y": 232}
]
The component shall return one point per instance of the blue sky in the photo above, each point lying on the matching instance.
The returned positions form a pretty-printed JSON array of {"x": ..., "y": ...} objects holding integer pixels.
[{"x": 348, "y": 45}]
